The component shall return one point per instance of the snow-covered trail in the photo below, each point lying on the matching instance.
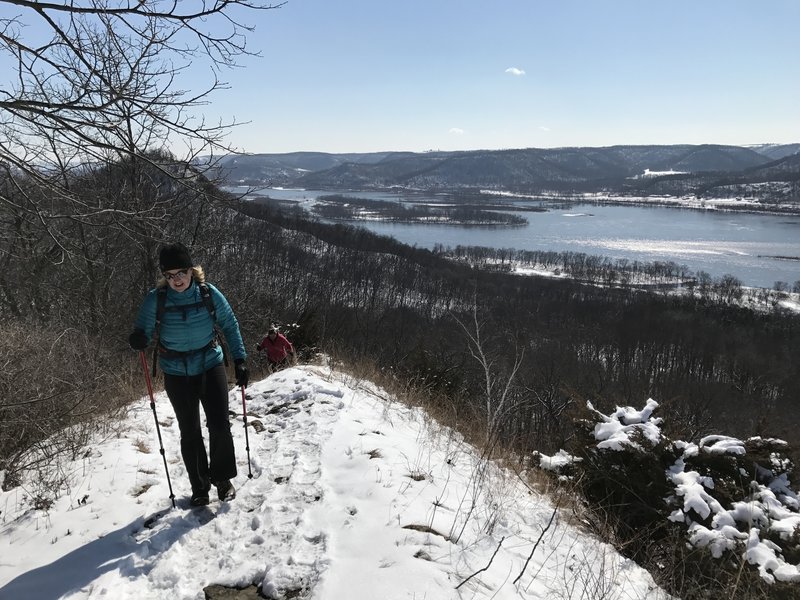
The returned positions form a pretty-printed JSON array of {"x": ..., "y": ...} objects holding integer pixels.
[
  {"x": 353, "y": 497},
  {"x": 266, "y": 531},
  {"x": 174, "y": 553}
]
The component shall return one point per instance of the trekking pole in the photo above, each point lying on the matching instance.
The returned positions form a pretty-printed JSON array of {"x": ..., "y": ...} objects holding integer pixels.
[
  {"x": 246, "y": 437},
  {"x": 158, "y": 429}
]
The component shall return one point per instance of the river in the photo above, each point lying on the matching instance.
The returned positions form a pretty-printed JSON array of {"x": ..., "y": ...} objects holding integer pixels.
[{"x": 759, "y": 249}]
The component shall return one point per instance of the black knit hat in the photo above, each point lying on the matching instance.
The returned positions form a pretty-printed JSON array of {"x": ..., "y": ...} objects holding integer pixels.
[{"x": 175, "y": 256}]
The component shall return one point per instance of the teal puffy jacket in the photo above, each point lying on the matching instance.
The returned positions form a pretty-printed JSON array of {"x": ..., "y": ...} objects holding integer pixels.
[{"x": 187, "y": 328}]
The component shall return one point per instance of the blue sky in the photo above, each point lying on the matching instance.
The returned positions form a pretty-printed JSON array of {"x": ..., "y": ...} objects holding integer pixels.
[{"x": 374, "y": 75}]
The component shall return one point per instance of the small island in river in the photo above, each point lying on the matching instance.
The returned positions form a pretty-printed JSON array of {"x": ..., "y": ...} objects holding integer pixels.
[{"x": 338, "y": 207}]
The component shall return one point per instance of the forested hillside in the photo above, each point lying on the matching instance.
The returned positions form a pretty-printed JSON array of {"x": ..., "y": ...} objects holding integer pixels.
[
  {"x": 397, "y": 305},
  {"x": 363, "y": 297}
]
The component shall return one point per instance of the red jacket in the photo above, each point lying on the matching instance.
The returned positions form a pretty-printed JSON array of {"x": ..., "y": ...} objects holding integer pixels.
[{"x": 277, "y": 349}]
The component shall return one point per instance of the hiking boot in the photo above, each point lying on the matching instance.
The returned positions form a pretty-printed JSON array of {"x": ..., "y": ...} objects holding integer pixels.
[
  {"x": 225, "y": 490},
  {"x": 199, "y": 498}
]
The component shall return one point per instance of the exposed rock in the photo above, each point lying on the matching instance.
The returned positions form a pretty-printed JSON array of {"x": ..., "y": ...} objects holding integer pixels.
[{"x": 221, "y": 592}]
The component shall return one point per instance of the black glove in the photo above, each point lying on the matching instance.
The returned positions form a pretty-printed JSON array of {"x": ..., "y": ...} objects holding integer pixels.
[
  {"x": 241, "y": 372},
  {"x": 138, "y": 340}
]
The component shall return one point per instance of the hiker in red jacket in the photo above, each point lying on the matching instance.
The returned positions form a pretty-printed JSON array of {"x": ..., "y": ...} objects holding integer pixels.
[{"x": 278, "y": 349}]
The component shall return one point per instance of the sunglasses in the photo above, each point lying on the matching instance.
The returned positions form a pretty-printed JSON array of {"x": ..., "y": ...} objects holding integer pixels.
[{"x": 182, "y": 274}]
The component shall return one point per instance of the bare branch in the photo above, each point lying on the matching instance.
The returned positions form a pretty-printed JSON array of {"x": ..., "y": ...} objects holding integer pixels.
[
  {"x": 536, "y": 545},
  {"x": 489, "y": 564}
]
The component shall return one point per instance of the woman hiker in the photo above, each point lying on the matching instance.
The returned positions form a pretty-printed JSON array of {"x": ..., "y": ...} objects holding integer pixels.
[
  {"x": 278, "y": 349},
  {"x": 192, "y": 362}
]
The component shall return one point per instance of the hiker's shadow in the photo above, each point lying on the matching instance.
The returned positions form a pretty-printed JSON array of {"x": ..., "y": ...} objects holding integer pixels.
[{"x": 129, "y": 550}]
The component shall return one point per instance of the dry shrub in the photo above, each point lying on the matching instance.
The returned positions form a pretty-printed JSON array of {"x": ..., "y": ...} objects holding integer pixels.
[
  {"x": 626, "y": 498},
  {"x": 693, "y": 574},
  {"x": 57, "y": 389}
]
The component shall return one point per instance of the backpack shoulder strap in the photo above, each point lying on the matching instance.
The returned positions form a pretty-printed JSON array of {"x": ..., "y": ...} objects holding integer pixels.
[
  {"x": 161, "y": 302},
  {"x": 205, "y": 294}
]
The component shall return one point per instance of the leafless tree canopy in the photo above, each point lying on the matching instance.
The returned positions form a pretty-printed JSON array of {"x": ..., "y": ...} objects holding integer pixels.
[
  {"x": 95, "y": 77},
  {"x": 94, "y": 82}
]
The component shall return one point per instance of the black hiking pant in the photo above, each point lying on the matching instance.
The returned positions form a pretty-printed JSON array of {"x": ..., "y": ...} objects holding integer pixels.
[{"x": 186, "y": 393}]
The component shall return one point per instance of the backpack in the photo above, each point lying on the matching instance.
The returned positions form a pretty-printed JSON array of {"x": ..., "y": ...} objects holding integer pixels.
[{"x": 161, "y": 308}]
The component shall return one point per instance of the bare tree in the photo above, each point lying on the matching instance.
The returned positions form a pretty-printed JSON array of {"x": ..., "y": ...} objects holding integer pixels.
[
  {"x": 100, "y": 159},
  {"x": 100, "y": 81},
  {"x": 497, "y": 388}
]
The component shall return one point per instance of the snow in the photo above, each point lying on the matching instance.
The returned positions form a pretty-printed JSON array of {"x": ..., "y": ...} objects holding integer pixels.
[
  {"x": 770, "y": 509},
  {"x": 353, "y": 496},
  {"x": 556, "y": 462},
  {"x": 539, "y": 272},
  {"x": 615, "y": 432},
  {"x": 792, "y": 303},
  {"x": 649, "y": 173}
]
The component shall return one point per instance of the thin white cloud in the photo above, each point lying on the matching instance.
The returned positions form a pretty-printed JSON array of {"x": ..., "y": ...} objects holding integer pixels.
[
  {"x": 515, "y": 71},
  {"x": 456, "y": 131},
  {"x": 544, "y": 128}
]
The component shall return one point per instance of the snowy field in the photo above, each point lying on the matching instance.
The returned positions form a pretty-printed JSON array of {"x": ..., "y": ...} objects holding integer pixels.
[{"x": 353, "y": 497}]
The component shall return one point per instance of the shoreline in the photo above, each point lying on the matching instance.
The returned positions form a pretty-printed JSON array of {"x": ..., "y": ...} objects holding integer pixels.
[
  {"x": 730, "y": 205},
  {"x": 749, "y": 300}
]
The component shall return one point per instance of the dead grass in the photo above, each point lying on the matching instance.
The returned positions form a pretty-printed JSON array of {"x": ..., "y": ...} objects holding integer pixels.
[{"x": 141, "y": 489}]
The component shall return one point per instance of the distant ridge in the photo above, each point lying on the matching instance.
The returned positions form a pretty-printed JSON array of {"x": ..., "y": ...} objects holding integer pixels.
[
  {"x": 576, "y": 168},
  {"x": 776, "y": 151}
]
